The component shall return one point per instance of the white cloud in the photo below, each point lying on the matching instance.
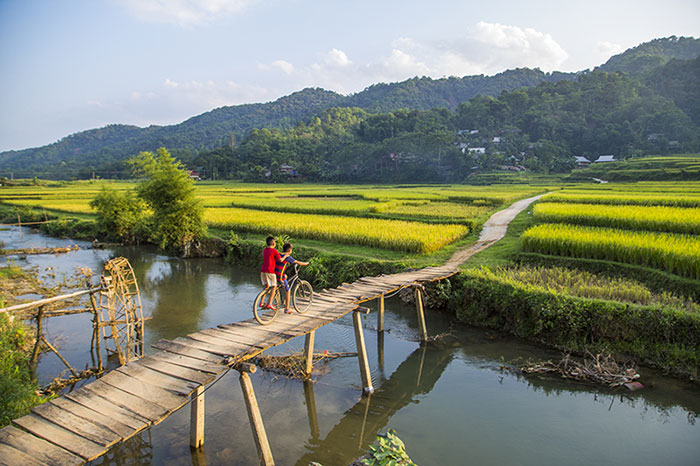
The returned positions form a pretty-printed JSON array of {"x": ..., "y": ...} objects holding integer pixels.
[
  {"x": 608, "y": 49},
  {"x": 184, "y": 12},
  {"x": 511, "y": 46},
  {"x": 488, "y": 48},
  {"x": 337, "y": 58},
  {"x": 285, "y": 66}
]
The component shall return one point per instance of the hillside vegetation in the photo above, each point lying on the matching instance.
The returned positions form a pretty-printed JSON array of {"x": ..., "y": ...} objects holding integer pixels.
[{"x": 661, "y": 101}]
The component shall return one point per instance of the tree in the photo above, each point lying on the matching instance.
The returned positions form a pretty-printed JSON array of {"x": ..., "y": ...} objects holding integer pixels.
[
  {"x": 169, "y": 192},
  {"x": 120, "y": 215}
]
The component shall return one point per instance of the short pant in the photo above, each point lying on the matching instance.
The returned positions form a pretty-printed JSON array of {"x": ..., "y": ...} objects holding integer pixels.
[{"x": 268, "y": 279}]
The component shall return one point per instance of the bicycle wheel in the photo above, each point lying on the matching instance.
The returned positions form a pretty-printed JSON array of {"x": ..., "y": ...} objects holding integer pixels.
[
  {"x": 263, "y": 315},
  {"x": 303, "y": 296}
]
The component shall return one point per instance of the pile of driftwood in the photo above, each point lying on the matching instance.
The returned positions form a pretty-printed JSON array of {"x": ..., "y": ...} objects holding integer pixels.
[
  {"x": 600, "y": 369},
  {"x": 293, "y": 365},
  {"x": 29, "y": 251},
  {"x": 59, "y": 383}
]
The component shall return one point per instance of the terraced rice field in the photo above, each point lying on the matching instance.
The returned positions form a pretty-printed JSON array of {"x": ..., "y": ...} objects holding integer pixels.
[
  {"x": 411, "y": 218},
  {"x": 650, "y": 224},
  {"x": 652, "y": 218}
]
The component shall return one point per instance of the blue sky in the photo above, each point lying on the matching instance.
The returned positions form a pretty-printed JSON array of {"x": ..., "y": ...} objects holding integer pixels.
[{"x": 67, "y": 66}]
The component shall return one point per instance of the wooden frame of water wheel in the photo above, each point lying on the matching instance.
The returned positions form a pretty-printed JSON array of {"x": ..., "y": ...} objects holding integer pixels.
[{"x": 120, "y": 309}]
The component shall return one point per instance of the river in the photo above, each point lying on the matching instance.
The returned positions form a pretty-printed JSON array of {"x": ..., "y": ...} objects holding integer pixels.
[{"x": 449, "y": 400}]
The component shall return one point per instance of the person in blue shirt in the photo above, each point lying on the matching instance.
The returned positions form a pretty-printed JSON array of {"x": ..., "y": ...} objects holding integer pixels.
[{"x": 280, "y": 267}]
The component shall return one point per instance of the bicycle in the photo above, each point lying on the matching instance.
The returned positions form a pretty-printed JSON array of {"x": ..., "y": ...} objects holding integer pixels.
[{"x": 301, "y": 295}]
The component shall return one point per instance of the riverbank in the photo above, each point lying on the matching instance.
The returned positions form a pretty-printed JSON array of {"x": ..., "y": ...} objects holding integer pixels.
[
  {"x": 657, "y": 336},
  {"x": 18, "y": 389},
  {"x": 426, "y": 382}
]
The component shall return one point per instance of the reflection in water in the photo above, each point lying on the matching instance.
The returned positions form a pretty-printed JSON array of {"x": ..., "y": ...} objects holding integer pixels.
[
  {"x": 199, "y": 457},
  {"x": 359, "y": 426},
  {"x": 179, "y": 306},
  {"x": 137, "y": 450},
  {"x": 311, "y": 410},
  {"x": 448, "y": 400}
]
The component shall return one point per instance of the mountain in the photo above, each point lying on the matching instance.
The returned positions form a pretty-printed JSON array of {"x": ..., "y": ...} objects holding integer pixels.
[
  {"x": 678, "y": 80},
  {"x": 649, "y": 55},
  {"x": 105, "y": 148},
  {"x": 80, "y": 153},
  {"x": 426, "y": 93}
]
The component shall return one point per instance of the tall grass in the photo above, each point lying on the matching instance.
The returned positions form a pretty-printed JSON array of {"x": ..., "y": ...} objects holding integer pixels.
[
  {"x": 654, "y": 218},
  {"x": 644, "y": 199},
  {"x": 678, "y": 254},
  {"x": 588, "y": 285},
  {"x": 397, "y": 235}
]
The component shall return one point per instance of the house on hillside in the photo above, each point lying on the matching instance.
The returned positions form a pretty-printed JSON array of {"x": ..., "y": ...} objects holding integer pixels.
[
  {"x": 581, "y": 161},
  {"x": 477, "y": 150},
  {"x": 288, "y": 170},
  {"x": 194, "y": 175},
  {"x": 605, "y": 158}
]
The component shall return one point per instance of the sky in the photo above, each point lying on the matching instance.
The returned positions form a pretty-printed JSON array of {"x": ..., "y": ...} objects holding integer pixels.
[{"x": 71, "y": 65}]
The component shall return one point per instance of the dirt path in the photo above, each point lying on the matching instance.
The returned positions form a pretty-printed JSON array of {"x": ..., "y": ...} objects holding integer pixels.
[{"x": 494, "y": 229}]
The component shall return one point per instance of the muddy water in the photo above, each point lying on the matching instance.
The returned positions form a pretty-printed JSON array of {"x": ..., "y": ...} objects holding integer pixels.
[{"x": 449, "y": 401}]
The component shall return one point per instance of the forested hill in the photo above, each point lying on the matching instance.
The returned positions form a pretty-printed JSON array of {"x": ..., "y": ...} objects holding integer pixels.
[
  {"x": 426, "y": 93},
  {"x": 105, "y": 149},
  {"x": 649, "y": 55}
]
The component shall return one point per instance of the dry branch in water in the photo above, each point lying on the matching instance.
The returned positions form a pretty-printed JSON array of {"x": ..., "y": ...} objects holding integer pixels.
[
  {"x": 292, "y": 365},
  {"x": 601, "y": 369}
]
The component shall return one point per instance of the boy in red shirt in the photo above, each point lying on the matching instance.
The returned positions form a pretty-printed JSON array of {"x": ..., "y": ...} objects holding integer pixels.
[{"x": 267, "y": 272}]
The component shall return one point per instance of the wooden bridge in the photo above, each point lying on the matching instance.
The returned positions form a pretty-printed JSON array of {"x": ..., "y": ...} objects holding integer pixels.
[{"x": 84, "y": 424}]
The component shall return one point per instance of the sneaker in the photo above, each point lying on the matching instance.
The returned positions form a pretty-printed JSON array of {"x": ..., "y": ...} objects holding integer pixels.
[
  {"x": 288, "y": 311},
  {"x": 267, "y": 306}
]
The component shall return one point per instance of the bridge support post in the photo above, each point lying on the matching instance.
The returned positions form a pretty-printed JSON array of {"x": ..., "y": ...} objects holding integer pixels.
[
  {"x": 256, "y": 422},
  {"x": 418, "y": 295},
  {"x": 197, "y": 418},
  {"x": 380, "y": 314},
  {"x": 365, "y": 374},
  {"x": 309, "y": 353}
]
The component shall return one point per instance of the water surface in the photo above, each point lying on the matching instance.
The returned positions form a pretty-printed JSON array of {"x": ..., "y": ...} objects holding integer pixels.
[{"x": 449, "y": 400}]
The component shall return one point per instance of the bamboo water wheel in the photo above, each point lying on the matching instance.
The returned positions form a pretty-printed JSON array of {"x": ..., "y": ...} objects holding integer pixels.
[{"x": 121, "y": 316}]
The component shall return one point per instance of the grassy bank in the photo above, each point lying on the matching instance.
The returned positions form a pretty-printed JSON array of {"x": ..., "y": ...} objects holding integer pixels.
[
  {"x": 657, "y": 335},
  {"x": 17, "y": 387}
]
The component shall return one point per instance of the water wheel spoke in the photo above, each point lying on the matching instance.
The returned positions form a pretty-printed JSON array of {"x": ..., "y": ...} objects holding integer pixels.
[{"x": 121, "y": 304}]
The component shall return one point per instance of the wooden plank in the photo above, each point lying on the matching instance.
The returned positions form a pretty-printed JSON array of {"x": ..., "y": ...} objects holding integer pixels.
[
  {"x": 218, "y": 342},
  {"x": 191, "y": 363},
  {"x": 156, "y": 395},
  {"x": 12, "y": 456},
  {"x": 158, "y": 379},
  {"x": 107, "y": 408},
  {"x": 76, "y": 424},
  {"x": 116, "y": 426},
  {"x": 264, "y": 337},
  {"x": 173, "y": 370},
  {"x": 145, "y": 408},
  {"x": 184, "y": 350},
  {"x": 213, "y": 349},
  {"x": 254, "y": 329},
  {"x": 39, "y": 449},
  {"x": 239, "y": 338},
  {"x": 67, "y": 440}
]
